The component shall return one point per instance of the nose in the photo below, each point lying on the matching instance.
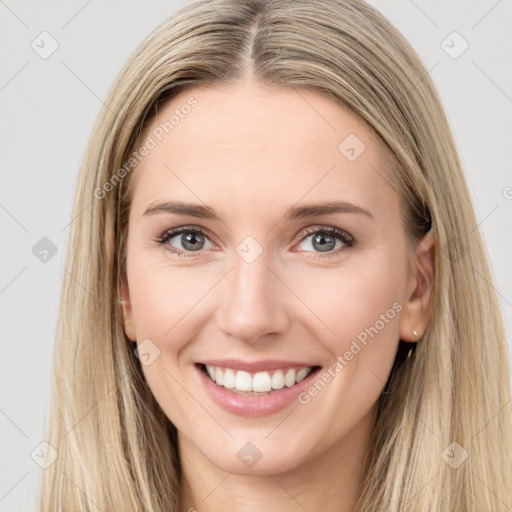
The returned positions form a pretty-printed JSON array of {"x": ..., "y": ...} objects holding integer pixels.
[{"x": 253, "y": 301}]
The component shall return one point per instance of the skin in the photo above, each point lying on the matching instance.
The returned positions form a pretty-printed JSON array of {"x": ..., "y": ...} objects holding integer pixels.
[{"x": 250, "y": 152}]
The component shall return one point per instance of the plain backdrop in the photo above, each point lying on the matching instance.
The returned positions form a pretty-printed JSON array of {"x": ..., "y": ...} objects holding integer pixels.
[{"x": 49, "y": 104}]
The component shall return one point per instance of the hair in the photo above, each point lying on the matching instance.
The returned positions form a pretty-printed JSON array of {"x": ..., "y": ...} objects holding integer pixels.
[{"x": 117, "y": 450}]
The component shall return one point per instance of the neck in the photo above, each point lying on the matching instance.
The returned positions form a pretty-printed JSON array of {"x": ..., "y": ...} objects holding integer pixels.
[{"x": 329, "y": 481}]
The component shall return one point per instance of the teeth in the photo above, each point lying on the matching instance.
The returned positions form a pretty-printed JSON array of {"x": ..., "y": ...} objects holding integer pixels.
[
  {"x": 302, "y": 374},
  {"x": 243, "y": 381},
  {"x": 219, "y": 376},
  {"x": 260, "y": 382},
  {"x": 229, "y": 378},
  {"x": 278, "y": 380},
  {"x": 289, "y": 378}
]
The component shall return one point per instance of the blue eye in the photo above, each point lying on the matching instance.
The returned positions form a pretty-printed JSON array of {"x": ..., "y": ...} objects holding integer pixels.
[{"x": 189, "y": 241}]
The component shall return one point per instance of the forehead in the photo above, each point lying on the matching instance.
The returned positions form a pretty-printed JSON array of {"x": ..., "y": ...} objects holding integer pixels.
[{"x": 250, "y": 145}]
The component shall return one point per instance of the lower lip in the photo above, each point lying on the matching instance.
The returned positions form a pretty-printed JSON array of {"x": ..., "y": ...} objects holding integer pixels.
[{"x": 253, "y": 405}]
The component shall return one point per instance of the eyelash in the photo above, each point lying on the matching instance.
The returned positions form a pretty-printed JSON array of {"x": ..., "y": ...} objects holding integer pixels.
[{"x": 347, "y": 239}]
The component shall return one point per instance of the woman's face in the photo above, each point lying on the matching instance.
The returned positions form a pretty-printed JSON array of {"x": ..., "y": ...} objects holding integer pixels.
[{"x": 288, "y": 259}]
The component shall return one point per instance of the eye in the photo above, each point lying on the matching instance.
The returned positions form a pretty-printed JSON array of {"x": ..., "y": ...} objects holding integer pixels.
[
  {"x": 326, "y": 239},
  {"x": 185, "y": 240}
]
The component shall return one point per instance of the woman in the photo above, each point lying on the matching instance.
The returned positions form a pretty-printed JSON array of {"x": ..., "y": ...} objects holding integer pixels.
[{"x": 276, "y": 295}]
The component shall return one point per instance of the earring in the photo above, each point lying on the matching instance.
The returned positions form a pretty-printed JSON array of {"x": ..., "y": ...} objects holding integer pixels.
[{"x": 415, "y": 332}]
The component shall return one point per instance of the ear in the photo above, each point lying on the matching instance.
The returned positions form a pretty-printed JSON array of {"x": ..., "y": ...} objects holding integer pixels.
[
  {"x": 417, "y": 307},
  {"x": 129, "y": 325}
]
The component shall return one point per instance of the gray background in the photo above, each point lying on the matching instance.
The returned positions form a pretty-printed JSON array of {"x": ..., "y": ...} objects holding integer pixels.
[{"x": 48, "y": 107}]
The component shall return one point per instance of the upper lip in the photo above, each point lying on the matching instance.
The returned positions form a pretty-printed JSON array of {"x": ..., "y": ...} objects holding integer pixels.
[{"x": 255, "y": 366}]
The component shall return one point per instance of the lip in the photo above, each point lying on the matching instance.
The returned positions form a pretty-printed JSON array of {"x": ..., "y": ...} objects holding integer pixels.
[
  {"x": 253, "y": 405},
  {"x": 255, "y": 366}
]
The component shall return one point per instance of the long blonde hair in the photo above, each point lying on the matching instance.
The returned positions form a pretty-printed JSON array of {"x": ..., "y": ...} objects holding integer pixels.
[{"x": 116, "y": 448}]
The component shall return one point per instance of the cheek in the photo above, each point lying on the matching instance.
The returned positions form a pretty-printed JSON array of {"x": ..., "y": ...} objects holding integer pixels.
[
  {"x": 361, "y": 307},
  {"x": 164, "y": 303},
  {"x": 164, "y": 300},
  {"x": 353, "y": 298},
  {"x": 349, "y": 302}
]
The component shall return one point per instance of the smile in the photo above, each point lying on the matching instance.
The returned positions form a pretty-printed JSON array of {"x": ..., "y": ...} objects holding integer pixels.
[
  {"x": 254, "y": 388},
  {"x": 264, "y": 382}
]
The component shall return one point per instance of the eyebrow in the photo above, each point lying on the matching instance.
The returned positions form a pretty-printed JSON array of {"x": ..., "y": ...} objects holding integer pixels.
[{"x": 293, "y": 213}]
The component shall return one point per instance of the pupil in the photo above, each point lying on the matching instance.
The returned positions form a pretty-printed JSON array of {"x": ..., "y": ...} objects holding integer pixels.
[
  {"x": 324, "y": 245},
  {"x": 189, "y": 240}
]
